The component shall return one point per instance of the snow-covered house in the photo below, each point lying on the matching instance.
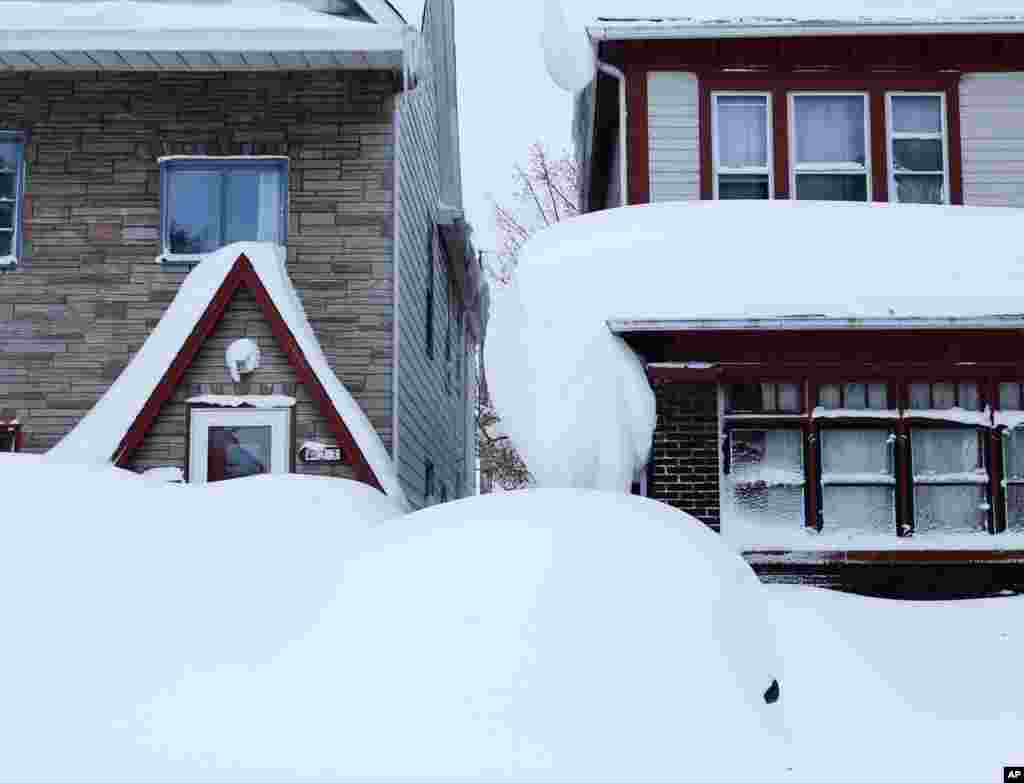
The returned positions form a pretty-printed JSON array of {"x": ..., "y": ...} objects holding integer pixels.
[
  {"x": 231, "y": 240},
  {"x": 882, "y": 429}
]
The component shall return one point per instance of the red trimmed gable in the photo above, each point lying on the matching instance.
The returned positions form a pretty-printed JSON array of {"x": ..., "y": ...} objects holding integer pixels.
[{"x": 242, "y": 274}]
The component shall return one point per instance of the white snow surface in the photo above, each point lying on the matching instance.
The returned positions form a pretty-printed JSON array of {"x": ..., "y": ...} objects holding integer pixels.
[
  {"x": 575, "y": 399},
  {"x": 270, "y": 628},
  {"x": 242, "y": 356},
  {"x": 97, "y": 436},
  {"x": 251, "y": 400},
  {"x": 158, "y": 26},
  {"x": 568, "y": 54}
]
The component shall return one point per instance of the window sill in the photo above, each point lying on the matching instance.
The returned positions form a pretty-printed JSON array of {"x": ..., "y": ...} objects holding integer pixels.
[{"x": 8, "y": 262}]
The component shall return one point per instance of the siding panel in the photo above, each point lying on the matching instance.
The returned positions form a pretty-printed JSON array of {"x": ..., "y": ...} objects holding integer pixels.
[
  {"x": 991, "y": 106},
  {"x": 673, "y": 128}
]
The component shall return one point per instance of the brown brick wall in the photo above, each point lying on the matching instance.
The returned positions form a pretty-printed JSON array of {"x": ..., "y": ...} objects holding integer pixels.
[
  {"x": 88, "y": 292},
  {"x": 684, "y": 470},
  {"x": 165, "y": 444}
]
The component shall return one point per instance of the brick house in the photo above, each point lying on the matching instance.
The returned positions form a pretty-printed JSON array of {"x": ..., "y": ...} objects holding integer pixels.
[
  {"x": 900, "y": 111},
  {"x": 139, "y": 140}
]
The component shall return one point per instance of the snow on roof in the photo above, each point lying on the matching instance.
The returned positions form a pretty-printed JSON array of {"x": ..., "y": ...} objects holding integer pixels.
[
  {"x": 149, "y": 26},
  {"x": 574, "y": 398},
  {"x": 98, "y": 436}
]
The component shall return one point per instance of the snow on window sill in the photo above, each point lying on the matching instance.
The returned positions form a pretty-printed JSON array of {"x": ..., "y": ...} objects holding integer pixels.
[
  {"x": 8, "y": 262},
  {"x": 250, "y": 400},
  {"x": 973, "y": 477},
  {"x": 857, "y": 478},
  {"x": 954, "y": 415},
  {"x": 853, "y": 413}
]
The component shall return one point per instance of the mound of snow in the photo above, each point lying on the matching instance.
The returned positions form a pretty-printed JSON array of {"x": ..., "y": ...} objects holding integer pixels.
[
  {"x": 575, "y": 399},
  {"x": 545, "y": 635}
]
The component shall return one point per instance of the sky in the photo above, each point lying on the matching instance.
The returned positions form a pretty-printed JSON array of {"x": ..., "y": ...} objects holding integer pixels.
[{"x": 507, "y": 101}]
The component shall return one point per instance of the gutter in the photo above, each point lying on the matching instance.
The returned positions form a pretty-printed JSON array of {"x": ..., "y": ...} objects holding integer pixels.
[
  {"x": 686, "y": 29},
  {"x": 621, "y": 326}
]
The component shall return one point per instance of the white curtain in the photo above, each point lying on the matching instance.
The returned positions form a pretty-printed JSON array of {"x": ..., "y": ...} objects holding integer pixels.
[
  {"x": 829, "y": 128},
  {"x": 742, "y": 130},
  {"x": 917, "y": 113},
  {"x": 268, "y": 220}
]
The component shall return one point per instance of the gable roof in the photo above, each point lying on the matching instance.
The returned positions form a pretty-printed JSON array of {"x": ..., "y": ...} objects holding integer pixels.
[
  {"x": 148, "y": 34},
  {"x": 118, "y": 423}
]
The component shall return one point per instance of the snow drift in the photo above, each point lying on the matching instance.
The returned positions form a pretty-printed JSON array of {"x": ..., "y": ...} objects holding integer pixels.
[{"x": 574, "y": 397}]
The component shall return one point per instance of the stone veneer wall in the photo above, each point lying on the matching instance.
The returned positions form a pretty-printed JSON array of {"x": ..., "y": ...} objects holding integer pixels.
[
  {"x": 165, "y": 444},
  {"x": 89, "y": 292},
  {"x": 684, "y": 469}
]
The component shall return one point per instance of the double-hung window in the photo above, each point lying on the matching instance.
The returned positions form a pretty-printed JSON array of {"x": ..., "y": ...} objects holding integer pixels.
[
  {"x": 12, "y": 162},
  {"x": 829, "y": 158},
  {"x": 1011, "y": 400},
  {"x": 742, "y": 146},
  {"x": 917, "y": 149},
  {"x": 211, "y": 202}
]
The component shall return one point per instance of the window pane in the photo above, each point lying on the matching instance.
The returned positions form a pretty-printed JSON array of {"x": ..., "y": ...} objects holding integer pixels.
[
  {"x": 878, "y": 396},
  {"x": 829, "y": 396},
  {"x": 917, "y": 154},
  {"x": 863, "y": 508},
  {"x": 832, "y": 187},
  {"x": 829, "y": 129},
  {"x": 919, "y": 188},
  {"x": 194, "y": 212},
  {"x": 253, "y": 204},
  {"x": 1015, "y": 507},
  {"x": 742, "y": 186},
  {"x": 235, "y": 452},
  {"x": 769, "y": 456},
  {"x": 789, "y": 397},
  {"x": 6, "y": 215},
  {"x": 6, "y": 243},
  {"x": 969, "y": 398},
  {"x": 9, "y": 155},
  {"x": 943, "y": 451},
  {"x": 742, "y": 130},
  {"x": 957, "y": 508},
  {"x": 917, "y": 113},
  {"x": 856, "y": 396},
  {"x": 943, "y": 396},
  {"x": 1014, "y": 443},
  {"x": 1009, "y": 396},
  {"x": 8, "y": 185},
  {"x": 776, "y": 506},
  {"x": 846, "y": 451},
  {"x": 768, "y": 401},
  {"x": 920, "y": 396}
]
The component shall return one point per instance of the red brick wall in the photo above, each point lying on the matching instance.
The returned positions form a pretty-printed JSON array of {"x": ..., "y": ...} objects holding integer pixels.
[{"x": 684, "y": 470}]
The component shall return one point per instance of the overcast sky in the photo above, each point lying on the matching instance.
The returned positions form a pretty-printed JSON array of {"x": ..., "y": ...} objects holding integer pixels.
[{"x": 507, "y": 101}]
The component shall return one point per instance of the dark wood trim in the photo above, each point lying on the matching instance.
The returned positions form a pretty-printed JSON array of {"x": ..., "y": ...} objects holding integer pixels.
[
  {"x": 955, "y": 143},
  {"x": 639, "y": 136},
  {"x": 243, "y": 273},
  {"x": 706, "y": 141},
  {"x": 780, "y": 142},
  {"x": 878, "y": 144},
  {"x": 847, "y": 81},
  {"x": 890, "y": 556}
]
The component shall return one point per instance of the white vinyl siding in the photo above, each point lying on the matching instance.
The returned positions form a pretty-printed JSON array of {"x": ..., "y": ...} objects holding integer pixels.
[
  {"x": 992, "y": 139},
  {"x": 673, "y": 131}
]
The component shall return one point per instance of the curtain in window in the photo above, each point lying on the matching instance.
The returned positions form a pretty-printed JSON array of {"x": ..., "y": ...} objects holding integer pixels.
[
  {"x": 917, "y": 114},
  {"x": 742, "y": 131},
  {"x": 268, "y": 222},
  {"x": 829, "y": 129}
]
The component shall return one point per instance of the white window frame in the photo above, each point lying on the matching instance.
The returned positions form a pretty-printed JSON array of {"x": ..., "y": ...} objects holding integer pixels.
[
  {"x": 891, "y": 136},
  {"x": 796, "y": 168},
  {"x": 201, "y": 419},
  {"x": 717, "y": 168},
  {"x": 17, "y": 138}
]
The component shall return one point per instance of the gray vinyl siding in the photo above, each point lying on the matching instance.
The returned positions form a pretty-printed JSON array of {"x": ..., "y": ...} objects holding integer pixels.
[
  {"x": 672, "y": 106},
  {"x": 992, "y": 132},
  {"x": 430, "y": 400}
]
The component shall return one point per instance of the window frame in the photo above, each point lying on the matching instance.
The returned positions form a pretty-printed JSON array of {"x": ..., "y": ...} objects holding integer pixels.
[
  {"x": 219, "y": 165},
  {"x": 836, "y": 168},
  {"x": 12, "y": 428},
  {"x": 891, "y": 136},
  {"x": 20, "y": 140},
  {"x": 202, "y": 418},
  {"x": 716, "y": 168}
]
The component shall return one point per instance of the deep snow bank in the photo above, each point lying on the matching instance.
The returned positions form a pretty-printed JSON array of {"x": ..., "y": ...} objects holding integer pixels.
[
  {"x": 546, "y": 635},
  {"x": 574, "y": 398}
]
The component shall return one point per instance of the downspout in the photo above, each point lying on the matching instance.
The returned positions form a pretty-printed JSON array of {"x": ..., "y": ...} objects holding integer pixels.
[{"x": 619, "y": 76}]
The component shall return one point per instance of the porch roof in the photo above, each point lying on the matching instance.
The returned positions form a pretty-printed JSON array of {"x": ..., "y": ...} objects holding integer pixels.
[{"x": 231, "y": 35}]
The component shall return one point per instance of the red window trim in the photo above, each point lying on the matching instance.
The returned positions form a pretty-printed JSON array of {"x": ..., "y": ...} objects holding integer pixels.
[{"x": 874, "y": 85}]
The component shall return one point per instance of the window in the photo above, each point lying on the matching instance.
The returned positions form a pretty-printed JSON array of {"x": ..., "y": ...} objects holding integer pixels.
[
  {"x": 430, "y": 295},
  {"x": 917, "y": 150},
  {"x": 12, "y": 163},
  {"x": 233, "y": 443},
  {"x": 829, "y": 147},
  {"x": 742, "y": 146},
  {"x": 10, "y": 435},
  {"x": 428, "y": 483},
  {"x": 211, "y": 202}
]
